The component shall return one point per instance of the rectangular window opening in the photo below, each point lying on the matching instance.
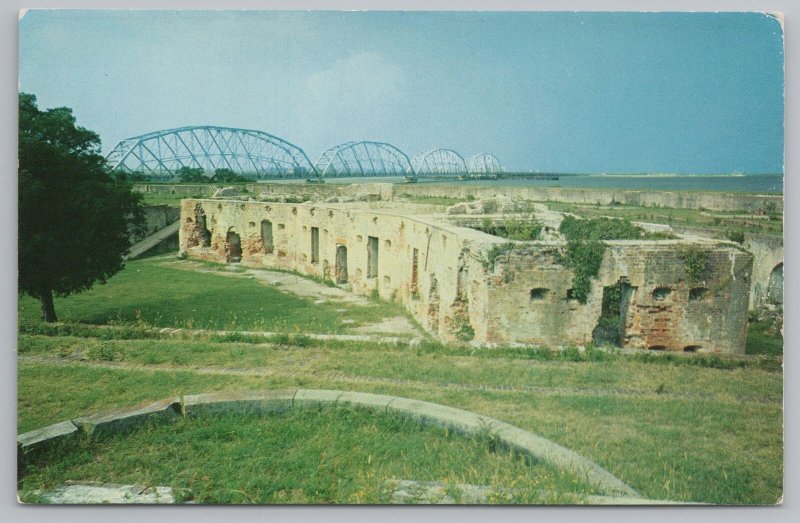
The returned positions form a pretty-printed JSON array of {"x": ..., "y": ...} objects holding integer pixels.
[
  {"x": 315, "y": 245},
  {"x": 372, "y": 257},
  {"x": 415, "y": 271},
  {"x": 266, "y": 236}
]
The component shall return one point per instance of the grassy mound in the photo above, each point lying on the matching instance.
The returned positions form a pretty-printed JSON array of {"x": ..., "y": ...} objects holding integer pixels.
[{"x": 325, "y": 455}]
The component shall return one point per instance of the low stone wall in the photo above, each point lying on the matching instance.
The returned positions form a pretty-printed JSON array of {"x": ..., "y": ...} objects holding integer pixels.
[
  {"x": 675, "y": 199},
  {"x": 309, "y": 191},
  {"x": 259, "y": 402},
  {"x": 767, "y": 251},
  {"x": 156, "y": 217}
]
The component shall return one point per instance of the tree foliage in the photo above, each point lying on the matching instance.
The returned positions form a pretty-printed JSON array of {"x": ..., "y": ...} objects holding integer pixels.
[
  {"x": 192, "y": 174},
  {"x": 223, "y": 174},
  {"x": 75, "y": 219}
]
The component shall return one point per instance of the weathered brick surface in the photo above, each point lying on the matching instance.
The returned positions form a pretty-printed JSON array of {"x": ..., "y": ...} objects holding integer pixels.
[{"x": 453, "y": 289}]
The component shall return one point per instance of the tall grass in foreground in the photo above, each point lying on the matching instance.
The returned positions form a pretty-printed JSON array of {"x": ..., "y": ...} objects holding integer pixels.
[{"x": 322, "y": 455}]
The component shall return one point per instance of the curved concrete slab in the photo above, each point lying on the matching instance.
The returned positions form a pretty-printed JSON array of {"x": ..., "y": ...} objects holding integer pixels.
[{"x": 465, "y": 422}]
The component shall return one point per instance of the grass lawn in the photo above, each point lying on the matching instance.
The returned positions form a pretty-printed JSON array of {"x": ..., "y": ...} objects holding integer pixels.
[
  {"x": 722, "y": 221},
  {"x": 309, "y": 456},
  {"x": 702, "y": 428},
  {"x": 671, "y": 431},
  {"x": 146, "y": 292},
  {"x": 764, "y": 334}
]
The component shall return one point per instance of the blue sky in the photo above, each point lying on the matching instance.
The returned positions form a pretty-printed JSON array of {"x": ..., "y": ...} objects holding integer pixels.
[{"x": 567, "y": 92}]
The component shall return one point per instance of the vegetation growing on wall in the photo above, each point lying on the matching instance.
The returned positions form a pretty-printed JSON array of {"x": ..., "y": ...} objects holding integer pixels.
[
  {"x": 494, "y": 253},
  {"x": 606, "y": 229},
  {"x": 585, "y": 247},
  {"x": 521, "y": 229},
  {"x": 695, "y": 263}
]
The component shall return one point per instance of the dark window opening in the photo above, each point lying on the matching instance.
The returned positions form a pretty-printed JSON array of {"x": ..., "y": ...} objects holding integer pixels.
[
  {"x": 233, "y": 247},
  {"x": 415, "y": 271},
  {"x": 372, "y": 257},
  {"x": 657, "y": 347},
  {"x": 315, "y": 245},
  {"x": 691, "y": 348},
  {"x": 610, "y": 329},
  {"x": 775, "y": 286},
  {"x": 266, "y": 236},
  {"x": 698, "y": 294},
  {"x": 539, "y": 293},
  {"x": 340, "y": 267},
  {"x": 661, "y": 293}
]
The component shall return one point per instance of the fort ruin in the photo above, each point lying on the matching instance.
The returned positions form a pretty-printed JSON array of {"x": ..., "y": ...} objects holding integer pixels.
[{"x": 463, "y": 284}]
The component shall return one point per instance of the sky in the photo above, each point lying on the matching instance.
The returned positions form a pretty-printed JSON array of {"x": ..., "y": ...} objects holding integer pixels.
[{"x": 552, "y": 92}]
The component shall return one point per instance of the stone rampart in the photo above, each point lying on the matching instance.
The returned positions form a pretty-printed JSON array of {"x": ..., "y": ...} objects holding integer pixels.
[
  {"x": 445, "y": 277},
  {"x": 717, "y": 201}
]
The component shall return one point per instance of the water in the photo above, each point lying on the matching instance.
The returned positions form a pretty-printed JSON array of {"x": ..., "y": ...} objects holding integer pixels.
[
  {"x": 750, "y": 183},
  {"x": 753, "y": 183}
]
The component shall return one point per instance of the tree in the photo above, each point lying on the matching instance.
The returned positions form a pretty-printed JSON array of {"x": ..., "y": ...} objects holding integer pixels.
[
  {"x": 225, "y": 175},
  {"x": 75, "y": 219},
  {"x": 192, "y": 174}
]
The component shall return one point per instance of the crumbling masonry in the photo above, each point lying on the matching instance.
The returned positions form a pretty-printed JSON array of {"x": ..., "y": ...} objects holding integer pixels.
[{"x": 452, "y": 280}]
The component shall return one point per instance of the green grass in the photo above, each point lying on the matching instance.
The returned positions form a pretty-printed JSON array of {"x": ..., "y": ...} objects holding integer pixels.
[
  {"x": 322, "y": 455},
  {"x": 704, "y": 427},
  {"x": 147, "y": 293},
  {"x": 764, "y": 335},
  {"x": 432, "y": 200},
  {"x": 672, "y": 431},
  {"x": 722, "y": 221}
]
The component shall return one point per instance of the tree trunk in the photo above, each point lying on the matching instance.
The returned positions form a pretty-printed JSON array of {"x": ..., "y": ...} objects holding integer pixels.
[{"x": 48, "y": 309}]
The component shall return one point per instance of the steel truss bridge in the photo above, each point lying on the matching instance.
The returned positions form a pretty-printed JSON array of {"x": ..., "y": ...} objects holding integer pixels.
[
  {"x": 254, "y": 154},
  {"x": 484, "y": 163},
  {"x": 363, "y": 159},
  {"x": 259, "y": 155}
]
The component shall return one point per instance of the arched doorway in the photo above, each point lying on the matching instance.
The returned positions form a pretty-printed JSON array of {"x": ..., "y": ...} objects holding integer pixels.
[
  {"x": 775, "y": 286},
  {"x": 340, "y": 266}
]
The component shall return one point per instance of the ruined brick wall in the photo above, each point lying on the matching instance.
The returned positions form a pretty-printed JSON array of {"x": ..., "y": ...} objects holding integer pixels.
[
  {"x": 665, "y": 308},
  {"x": 444, "y": 293},
  {"x": 443, "y": 277}
]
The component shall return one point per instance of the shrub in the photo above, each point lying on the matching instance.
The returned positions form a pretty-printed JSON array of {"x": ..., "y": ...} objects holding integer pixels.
[
  {"x": 735, "y": 236},
  {"x": 695, "y": 263},
  {"x": 495, "y": 252}
]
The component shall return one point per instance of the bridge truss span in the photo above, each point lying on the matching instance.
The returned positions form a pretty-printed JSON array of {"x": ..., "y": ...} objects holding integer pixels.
[
  {"x": 438, "y": 162},
  {"x": 247, "y": 152},
  {"x": 484, "y": 163},
  {"x": 363, "y": 159}
]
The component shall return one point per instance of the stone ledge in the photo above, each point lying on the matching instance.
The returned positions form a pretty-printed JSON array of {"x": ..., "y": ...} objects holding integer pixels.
[
  {"x": 560, "y": 457},
  {"x": 463, "y": 421},
  {"x": 238, "y": 401},
  {"x": 365, "y": 400},
  {"x": 127, "y": 419},
  {"x": 315, "y": 397},
  {"x": 46, "y": 435}
]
